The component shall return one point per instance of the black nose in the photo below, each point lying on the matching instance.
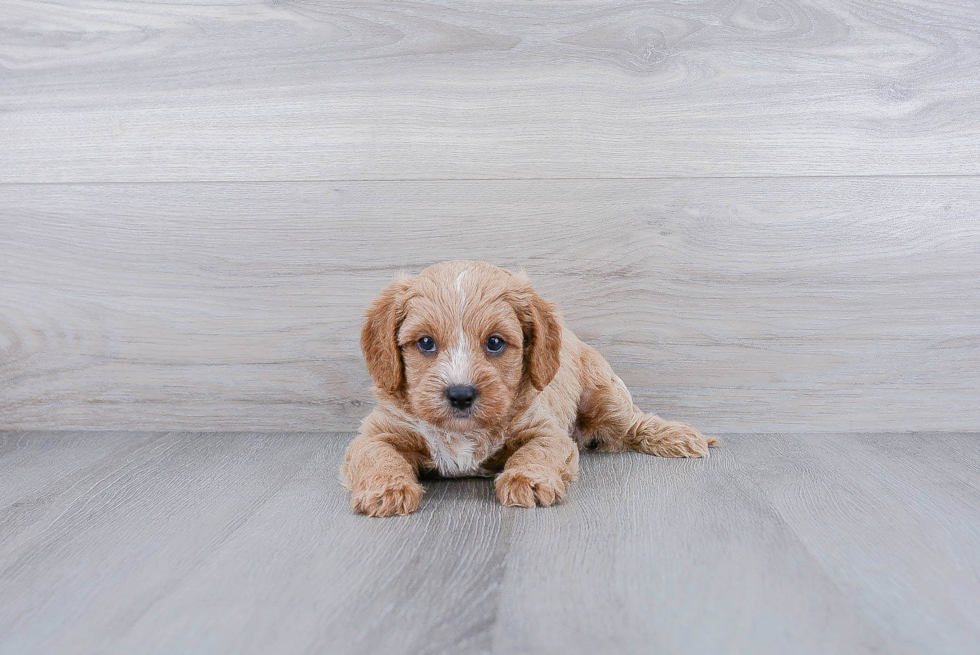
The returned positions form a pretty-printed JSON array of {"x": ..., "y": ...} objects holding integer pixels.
[{"x": 461, "y": 396}]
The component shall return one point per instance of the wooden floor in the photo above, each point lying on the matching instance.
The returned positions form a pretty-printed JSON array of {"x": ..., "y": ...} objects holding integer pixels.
[{"x": 235, "y": 542}]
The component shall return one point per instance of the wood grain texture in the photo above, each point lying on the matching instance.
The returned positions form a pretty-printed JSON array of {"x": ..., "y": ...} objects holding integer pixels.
[
  {"x": 30, "y": 459},
  {"x": 127, "y": 529},
  {"x": 627, "y": 584},
  {"x": 237, "y": 542},
  {"x": 904, "y": 487},
  {"x": 427, "y": 583},
  {"x": 750, "y": 304},
  {"x": 139, "y": 91}
]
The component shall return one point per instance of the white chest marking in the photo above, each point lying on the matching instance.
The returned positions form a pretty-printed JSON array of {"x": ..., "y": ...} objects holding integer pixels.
[{"x": 453, "y": 454}]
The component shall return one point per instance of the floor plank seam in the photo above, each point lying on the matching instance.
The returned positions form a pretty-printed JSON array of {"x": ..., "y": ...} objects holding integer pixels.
[
  {"x": 221, "y": 539},
  {"x": 814, "y": 559}
]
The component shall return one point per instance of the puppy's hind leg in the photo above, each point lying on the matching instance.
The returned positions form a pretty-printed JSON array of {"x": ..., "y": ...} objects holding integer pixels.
[
  {"x": 650, "y": 434},
  {"x": 608, "y": 420}
]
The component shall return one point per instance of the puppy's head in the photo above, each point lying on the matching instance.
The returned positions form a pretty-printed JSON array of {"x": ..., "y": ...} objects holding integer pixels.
[{"x": 461, "y": 343}]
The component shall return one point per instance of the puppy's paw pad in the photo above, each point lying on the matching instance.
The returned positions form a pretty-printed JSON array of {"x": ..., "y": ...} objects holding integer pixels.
[
  {"x": 676, "y": 440},
  {"x": 391, "y": 499},
  {"x": 524, "y": 488}
]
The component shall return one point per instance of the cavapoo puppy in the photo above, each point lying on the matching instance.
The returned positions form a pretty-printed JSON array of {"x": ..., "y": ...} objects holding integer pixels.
[{"x": 476, "y": 375}]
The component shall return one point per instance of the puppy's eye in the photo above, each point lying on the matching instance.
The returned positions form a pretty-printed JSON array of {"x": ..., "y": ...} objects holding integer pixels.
[
  {"x": 495, "y": 345},
  {"x": 427, "y": 344}
]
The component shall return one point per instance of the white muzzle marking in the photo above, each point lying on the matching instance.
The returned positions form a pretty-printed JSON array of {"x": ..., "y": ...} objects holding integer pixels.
[{"x": 457, "y": 368}]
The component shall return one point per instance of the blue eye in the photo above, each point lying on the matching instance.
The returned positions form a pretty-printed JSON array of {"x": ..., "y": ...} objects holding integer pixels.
[
  {"x": 427, "y": 344},
  {"x": 495, "y": 345}
]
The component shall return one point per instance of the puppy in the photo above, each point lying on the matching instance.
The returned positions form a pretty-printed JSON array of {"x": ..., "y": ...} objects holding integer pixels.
[{"x": 477, "y": 376}]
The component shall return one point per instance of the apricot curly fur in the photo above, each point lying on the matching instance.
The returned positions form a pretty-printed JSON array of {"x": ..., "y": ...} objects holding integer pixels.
[{"x": 537, "y": 402}]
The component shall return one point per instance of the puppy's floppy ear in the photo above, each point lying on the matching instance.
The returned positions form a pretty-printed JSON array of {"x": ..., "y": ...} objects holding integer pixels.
[
  {"x": 542, "y": 335},
  {"x": 379, "y": 336}
]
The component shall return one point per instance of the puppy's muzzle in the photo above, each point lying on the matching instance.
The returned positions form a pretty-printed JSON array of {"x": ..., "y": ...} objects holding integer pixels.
[{"x": 461, "y": 396}]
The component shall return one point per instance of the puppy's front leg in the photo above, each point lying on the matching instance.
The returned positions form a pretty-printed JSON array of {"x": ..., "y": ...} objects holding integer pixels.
[
  {"x": 537, "y": 473},
  {"x": 381, "y": 471}
]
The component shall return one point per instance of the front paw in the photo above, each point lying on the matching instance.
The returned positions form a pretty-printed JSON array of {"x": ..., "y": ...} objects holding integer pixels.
[
  {"x": 390, "y": 498},
  {"x": 674, "y": 439},
  {"x": 529, "y": 487}
]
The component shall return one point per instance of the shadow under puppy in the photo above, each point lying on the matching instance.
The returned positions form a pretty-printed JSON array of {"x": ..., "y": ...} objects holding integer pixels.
[{"x": 476, "y": 375}]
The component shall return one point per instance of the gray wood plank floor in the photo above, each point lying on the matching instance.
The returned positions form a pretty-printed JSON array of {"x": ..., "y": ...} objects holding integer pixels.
[{"x": 244, "y": 542}]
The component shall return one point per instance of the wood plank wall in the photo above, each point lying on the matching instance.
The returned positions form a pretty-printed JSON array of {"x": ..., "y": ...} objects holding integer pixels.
[{"x": 765, "y": 213}]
